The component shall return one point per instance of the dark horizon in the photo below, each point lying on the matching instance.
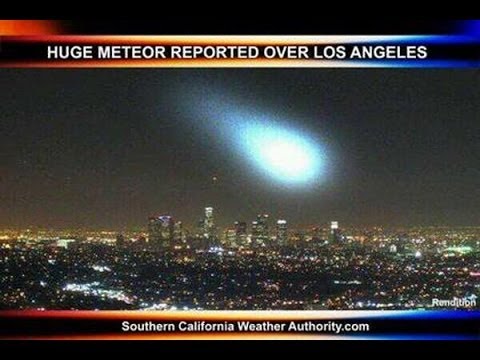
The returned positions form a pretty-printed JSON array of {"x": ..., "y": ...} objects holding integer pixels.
[{"x": 109, "y": 148}]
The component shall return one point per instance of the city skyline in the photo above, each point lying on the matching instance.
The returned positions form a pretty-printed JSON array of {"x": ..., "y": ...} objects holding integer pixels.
[
  {"x": 334, "y": 269},
  {"x": 99, "y": 149}
]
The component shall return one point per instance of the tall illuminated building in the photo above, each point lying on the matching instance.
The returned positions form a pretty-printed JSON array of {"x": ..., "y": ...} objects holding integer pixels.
[
  {"x": 160, "y": 231},
  {"x": 208, "y": 223},
  {"x": 260, "y": 230},
  {"x": 282, "y": 232},
  {"x": 240, "y": 233}
]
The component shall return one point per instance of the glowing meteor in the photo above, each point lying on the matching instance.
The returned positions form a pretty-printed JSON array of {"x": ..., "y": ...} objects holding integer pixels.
[
  {"x": 275, "y": 148},
  {"x": 284, "y": 154}
]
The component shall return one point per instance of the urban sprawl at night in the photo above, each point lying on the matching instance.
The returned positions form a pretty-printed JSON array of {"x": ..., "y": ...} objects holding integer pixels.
[{"x": 257, "y": 265}]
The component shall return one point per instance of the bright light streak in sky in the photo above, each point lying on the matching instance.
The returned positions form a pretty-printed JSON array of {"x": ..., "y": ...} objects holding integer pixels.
[
  {"x": 274, "y": 147},
  {"x": 283, "y": 154}
]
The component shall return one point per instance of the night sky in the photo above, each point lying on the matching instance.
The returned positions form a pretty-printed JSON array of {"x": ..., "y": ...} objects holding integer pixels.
[{"x": 108, "y": 148}]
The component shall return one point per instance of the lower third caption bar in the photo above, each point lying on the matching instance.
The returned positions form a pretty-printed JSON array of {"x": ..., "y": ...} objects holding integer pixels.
[{"x": 245, "y": 326}]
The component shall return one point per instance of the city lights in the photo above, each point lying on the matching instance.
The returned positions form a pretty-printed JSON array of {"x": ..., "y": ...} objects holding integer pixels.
[{"x": 265, "y": 264}]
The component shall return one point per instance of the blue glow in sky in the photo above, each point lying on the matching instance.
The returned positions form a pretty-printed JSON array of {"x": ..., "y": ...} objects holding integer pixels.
[
  {"x": 283, "y": 154},
  {"x": 271, "y": 146}
]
